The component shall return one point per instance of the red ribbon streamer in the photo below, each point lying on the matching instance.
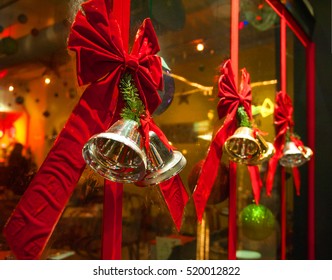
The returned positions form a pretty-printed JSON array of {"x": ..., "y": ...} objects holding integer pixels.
[
  {"x": 283, "y": 120},
  {"x": 101, "y": 60},
  {"x": 230, "y": 100}
]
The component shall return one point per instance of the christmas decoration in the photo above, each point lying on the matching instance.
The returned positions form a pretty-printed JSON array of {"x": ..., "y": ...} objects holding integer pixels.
[
  {"x": 117, "y": 154},
  {"x": 290, "y": 151},
  {"x": 257, "y": 222},
  {"x": 259, "y": 14},
  {"x": 101, "y": 62},
  {"x": 232, "y": 103},
  {"x": 167, "y": 94},
  {"x": 220, "y": 189}
]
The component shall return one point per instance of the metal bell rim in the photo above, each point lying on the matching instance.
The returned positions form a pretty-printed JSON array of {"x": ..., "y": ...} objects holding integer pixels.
[
  {"x": 127, "y": 141},
  {"x": 88, "y": 157},
  {"x": 232, "y": 156},
  {"x": 305, "y": 156},
  {"x": 264, "y": 157},
  {"x": 172, "y": 168}
]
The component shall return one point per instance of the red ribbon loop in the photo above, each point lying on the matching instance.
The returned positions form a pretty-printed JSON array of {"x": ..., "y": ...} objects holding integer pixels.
[{"x": 230, "y": 100}]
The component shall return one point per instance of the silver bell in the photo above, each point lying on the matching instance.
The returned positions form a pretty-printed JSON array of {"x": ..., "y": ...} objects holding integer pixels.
[
  {"x": 116, "y": 153},
  {"x": 162, "y": 162},
  {"x": 293, "y": 156}
]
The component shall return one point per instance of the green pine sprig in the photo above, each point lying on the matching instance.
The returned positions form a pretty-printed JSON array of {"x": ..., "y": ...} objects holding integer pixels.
[
  {"x": 243, "y": 118},
  {"x": 134, "y": 107}
]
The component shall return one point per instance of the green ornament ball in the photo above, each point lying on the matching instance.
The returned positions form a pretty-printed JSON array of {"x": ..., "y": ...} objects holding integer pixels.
[{"x": 257, "y": 222}]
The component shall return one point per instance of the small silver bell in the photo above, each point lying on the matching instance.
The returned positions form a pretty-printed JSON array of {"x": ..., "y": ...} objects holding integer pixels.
[
  {"x": 293, "y": 156},
  {"x": 162, "y": 162},
  {"x": 116, "y": 154}
]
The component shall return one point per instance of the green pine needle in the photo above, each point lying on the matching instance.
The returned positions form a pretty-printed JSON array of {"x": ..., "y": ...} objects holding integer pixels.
[
  {"x": 243, "y": 117},
  {"x": 134, "y": 107}
]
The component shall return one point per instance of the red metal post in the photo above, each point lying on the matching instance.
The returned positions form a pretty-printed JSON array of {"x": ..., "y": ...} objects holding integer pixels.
[
  {"x": 232, "y": 220},
  {"x": 113, "y": 192}
]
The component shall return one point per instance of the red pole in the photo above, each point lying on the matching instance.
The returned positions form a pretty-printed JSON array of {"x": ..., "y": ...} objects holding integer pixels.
[
  {"x": 232, "y": 222},
  {"x": 232, "y": 233},
  {"x": 283, "y": 82},
  {"x": 113, "y": 192},
  {"x": 283, "y": 214}
]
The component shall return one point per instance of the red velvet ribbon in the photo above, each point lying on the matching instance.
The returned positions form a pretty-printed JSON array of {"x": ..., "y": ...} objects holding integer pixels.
[
  {"x": 101, "y": 60},
  {"x": 283, "y": 120},
  {"x": 230, "y": 100},
  {"x": 147, "y": 125}
]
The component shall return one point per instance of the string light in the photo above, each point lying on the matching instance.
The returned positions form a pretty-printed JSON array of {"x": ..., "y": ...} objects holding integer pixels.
[
  {"x": 11, "y": 88},
  {"x": 47, "y": 81},
  {"x": 200, "y": 47}
]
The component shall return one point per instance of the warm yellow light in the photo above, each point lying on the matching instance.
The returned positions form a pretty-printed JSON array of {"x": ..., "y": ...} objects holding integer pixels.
[
  {"x": 11, "y": 88},
  {"x": 47, "y": 81},
  {"x": 200, "y": 47},
  {"x": 184, "y": 151}
]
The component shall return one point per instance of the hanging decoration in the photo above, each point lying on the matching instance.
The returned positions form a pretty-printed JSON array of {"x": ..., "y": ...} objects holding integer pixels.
[
  {"x": 101, "y": 62},
  {"x": 167, "y": 94},
  {"x": 242, "y": 143},
  {"x": 128, "y": 152},
  {"x": 259, "y": 14},
  {"x": 257, "y": 222},
  {"x": 290, "y": 151}
]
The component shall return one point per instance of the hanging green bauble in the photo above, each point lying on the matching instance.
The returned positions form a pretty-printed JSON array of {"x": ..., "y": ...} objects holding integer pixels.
[{"x": 257, "y": 222}]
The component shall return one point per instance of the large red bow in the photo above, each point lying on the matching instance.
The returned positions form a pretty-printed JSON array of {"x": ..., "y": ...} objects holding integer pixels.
[
  {"x": 230, "y": 100},
  {"x": 101, "y": 61},
  {"x": 283, "y": 120},
  {"x": 96, "y": 38}
]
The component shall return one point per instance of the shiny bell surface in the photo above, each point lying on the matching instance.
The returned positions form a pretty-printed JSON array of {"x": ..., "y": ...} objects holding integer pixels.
[
  {"x": 266, "y": 155},
  {"x": 242, "y": 146},
  {"x": 116, "y": 154},
  {"x": 293, "y": 156},
  {"x": 267, "y": 151},
  {"x": 162, "y": 162}
]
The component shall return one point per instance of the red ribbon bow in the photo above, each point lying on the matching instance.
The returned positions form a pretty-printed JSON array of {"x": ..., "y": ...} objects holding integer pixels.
[
  {"x": 96, "y": 39},
  {"x": 283, "y": 120},
  {"x": 230, "y": 100},
  {"x": 101, "y": 60}
]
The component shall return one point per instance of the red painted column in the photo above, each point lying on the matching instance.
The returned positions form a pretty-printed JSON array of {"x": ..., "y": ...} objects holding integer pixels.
[
  {"x": 113, "y": 192},
  {"x": 283, "y": 82},
  {"x": 232, "y": 220}
]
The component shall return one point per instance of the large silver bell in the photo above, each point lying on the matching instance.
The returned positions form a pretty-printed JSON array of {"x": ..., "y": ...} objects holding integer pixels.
[
  {"x": 162, "y": 162},
  {"x": 116, "y": 153},
  {"x": 293, "y": 156},
  {"x": 242, "y": 146}
]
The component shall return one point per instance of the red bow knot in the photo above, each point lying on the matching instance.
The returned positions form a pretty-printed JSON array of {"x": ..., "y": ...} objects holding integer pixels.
[{"x": 131, "y": 62}]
